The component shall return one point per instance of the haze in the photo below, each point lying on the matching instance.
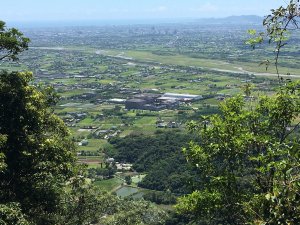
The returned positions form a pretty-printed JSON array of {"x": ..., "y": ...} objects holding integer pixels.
[{"x": 88, "y": 10}]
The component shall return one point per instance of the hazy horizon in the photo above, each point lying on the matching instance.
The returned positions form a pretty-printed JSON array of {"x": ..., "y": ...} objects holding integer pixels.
[
  {"x": 112, "y": 22},
  {"x": 66, "y": 11}
]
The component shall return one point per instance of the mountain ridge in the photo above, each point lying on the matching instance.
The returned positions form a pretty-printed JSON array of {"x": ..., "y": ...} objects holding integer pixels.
[{"x": 243, "y": 19}]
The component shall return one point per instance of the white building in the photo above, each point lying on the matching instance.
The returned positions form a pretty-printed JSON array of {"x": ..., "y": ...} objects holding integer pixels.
[
  {"x": 117, "y": 101},
  {"x": 176, "y": 96}
]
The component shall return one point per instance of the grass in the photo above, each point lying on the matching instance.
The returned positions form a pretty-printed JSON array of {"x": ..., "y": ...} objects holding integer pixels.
[
  {"x": 86, "y": 122},
  {"x": 126, "y": 191},
  {"x": 108, "y": 185},
  {"x": 183, "y": 60},
  {"x": 94, "y": 145},
  {"x": 146, "y": 121},
  {"x": 138, "y": 178}
]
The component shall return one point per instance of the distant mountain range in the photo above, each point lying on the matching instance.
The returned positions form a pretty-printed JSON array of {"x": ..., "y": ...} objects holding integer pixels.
[{"x": 244, "y": 19}]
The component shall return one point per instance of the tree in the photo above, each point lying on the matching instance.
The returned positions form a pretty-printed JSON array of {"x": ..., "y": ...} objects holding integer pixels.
[
  {"x": 86, "y": 204},
  {"x": 12, "y": 42},
  {"x": 39, "y": 158},
  {"x": 11, "y": 214},
  {"x": 249, "y": 155},
  {"x": 128, "y": 180},
  {"x": 136, "y": 213},
  {"x": 279, "y": 25},
  {"x": 249, "y": 162}
]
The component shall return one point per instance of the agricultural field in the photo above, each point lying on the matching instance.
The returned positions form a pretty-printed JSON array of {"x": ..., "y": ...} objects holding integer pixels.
[{"x": 95, "y": 70}]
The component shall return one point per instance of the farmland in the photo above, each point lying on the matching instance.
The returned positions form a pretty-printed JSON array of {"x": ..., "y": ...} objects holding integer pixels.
[{"x": 95, "y": 70}]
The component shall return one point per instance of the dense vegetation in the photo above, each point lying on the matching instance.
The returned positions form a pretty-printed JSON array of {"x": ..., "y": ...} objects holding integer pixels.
[
  {"x": 160, "y": 156},
  {"x": 39, "y": 158},
  {"x": 166, "y": 198},
  {"x": 248, "y": 162},
  {"x": 248, "y": 158}
]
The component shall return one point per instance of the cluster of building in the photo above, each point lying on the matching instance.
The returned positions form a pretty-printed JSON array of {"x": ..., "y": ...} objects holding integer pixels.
[
  {"x": 171, "y": 124},
  {"x": 119, "y": 166},
  {"x": 106, "y": 134},
  {"x": 156, "y": 102},
  {"x": 72, "y": 118}
]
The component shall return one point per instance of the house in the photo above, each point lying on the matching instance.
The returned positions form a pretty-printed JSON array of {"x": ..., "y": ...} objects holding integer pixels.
[
  {"x": 124, "y": 166},
  {"x": 161, "y": 125},
  {"x": 83, "y": 143},
  {"x": 173, "y": 124},
  {"x": 110, "y": 160}
]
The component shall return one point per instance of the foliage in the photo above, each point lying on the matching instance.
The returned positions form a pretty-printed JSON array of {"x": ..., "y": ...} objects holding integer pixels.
[
  {"x": 2, "y": 156},
  {"x": 128, "y": 180},
  {"x": 170, "y": 174},
  {"x": 10, "y": 214},
  {"x": 248, "y": 160},
  {"x": 136, "y": 213},
  {"x": 160, "y": 156},
  {"x": 279, "y": 25},
  {"x": 158, "y": 197},
  {"x": 12, "y": 42},
  {"x": 84, "y": 204},
  {"x": 106, "y": 172},
  {"x": 38, "y": 156},
  {"x": 179, "y": 219}
]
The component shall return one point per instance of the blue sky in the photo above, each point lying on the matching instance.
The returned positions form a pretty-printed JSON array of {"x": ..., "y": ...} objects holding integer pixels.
[{"x": 84, "y": 10}]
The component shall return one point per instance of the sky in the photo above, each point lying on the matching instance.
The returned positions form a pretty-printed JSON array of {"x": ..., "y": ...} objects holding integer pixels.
[{"x": 85, "y": 10}]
